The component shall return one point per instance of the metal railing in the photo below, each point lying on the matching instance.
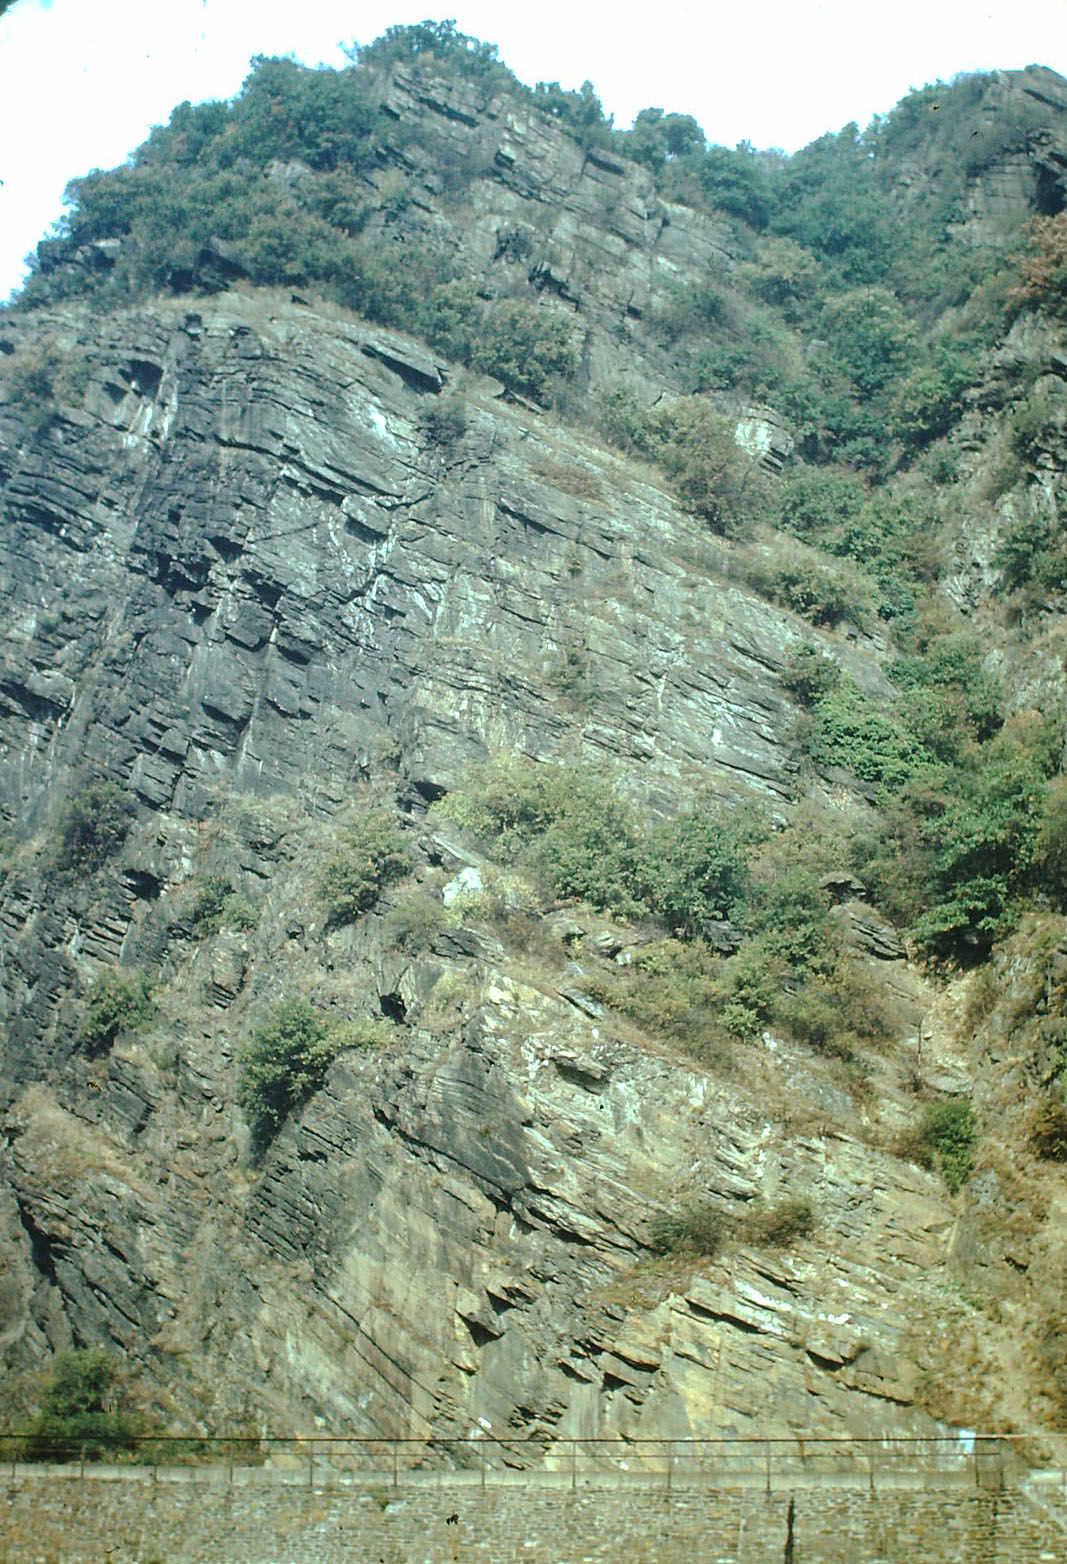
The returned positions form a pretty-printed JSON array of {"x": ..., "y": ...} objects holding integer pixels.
[{"x": 320, "y": 1460}]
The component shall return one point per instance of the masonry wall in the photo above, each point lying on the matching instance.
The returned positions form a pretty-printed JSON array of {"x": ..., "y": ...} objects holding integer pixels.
[{"x": 131, "y": 1520}]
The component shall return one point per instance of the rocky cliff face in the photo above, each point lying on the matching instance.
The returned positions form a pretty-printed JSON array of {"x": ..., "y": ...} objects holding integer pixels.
[{"x": 263, "y": 562}]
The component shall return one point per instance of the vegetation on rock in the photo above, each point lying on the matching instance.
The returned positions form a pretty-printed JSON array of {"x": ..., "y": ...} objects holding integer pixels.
[
  {"x": 79, "y": 1418},
  {"x": 374, "y": 856},
  {"x": 118, "y": 1001}
]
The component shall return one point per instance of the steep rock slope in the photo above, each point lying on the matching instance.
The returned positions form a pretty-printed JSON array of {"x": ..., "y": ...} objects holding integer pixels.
[
  {"x": 241, "y": 568},
  {"x": 267, "y": 564}
]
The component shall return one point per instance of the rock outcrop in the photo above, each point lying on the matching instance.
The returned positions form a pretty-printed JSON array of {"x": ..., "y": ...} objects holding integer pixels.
[{"x": 262, "y": 561}]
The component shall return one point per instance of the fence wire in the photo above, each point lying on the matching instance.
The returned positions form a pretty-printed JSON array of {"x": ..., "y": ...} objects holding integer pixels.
[{"x": 319, "y": 1460}]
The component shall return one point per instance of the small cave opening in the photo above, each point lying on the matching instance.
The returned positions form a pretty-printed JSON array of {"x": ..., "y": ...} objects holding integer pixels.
[
  {"x": 432, "y": 792},
  {"x": 142, "y": 884},
  {"x": 393, "y": 1008},
  {"x": 143, "y": 376},
  {"x": 1050, "y": 196}
]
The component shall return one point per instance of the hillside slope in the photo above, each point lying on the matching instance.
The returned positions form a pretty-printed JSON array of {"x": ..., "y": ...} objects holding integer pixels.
[{"x": 625, "y": 766}]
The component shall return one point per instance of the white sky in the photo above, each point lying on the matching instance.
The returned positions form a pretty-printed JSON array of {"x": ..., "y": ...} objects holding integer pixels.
[{"x": 82, "y": 81}]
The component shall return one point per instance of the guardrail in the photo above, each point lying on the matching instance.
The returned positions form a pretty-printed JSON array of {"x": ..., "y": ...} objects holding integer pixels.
[{"x": 317, "y": 1460}]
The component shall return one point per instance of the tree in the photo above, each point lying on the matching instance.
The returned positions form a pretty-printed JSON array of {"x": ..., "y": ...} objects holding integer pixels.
[
  {"x": 93, "y": 824},
  {"x": 118, "y": 1001},
  {"x": 373, "y": 857},
  {"x": 697, "y": 448},
  {"x": 283, "y": 1064},
  {"x": 695, "y": 870},
  {"x": 77, "y": 1415},
  {"x": 1043, "y": 269}
]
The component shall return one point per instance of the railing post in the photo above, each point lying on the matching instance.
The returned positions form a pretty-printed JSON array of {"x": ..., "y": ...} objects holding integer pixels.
[
  {"x": 670, "y": 1463},
  {"x": 574, "y": 1464},
  {"x": 870, "y": 1464},
  {"x": 483, "y": 1465},
  {"x": 396, "y": 1463},
  {"x": 311, "y": 1463},
  {"x": 767, "y": 1456},
  {"x": 229, "y": 1461}
]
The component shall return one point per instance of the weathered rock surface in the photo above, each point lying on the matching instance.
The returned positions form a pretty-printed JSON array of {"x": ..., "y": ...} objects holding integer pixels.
[{"x": 249, "y": 580}]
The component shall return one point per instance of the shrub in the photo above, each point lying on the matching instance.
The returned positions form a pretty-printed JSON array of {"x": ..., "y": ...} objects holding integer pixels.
[
  {"x": 509, "y": 802},
  {"x": 792, "y": 914},
  {"x": 672, "y": 989},
  {"x": 283, "y": 1064},
  {"x": 414, "y": 922},
  {"x": 590, "y": 851},
  {"x": 1048, "y": 1131},
  {"x": 1035, "y": 427},
  {"x": 823, "y": 594},
  {"x": 870, "y": 338},
  {"x": 92, "y": 825},
  {"x": 699, "y": 1230},
  {"x": 815, "y": 500},
  {"x": 1043, "y": 270},
  {"x": 444, "y": 422},
  {"x": 749, "y": 988},
  {"x": 851, "y": 731},
  {"x": 77, "y": 1417},
  {"x": 809, "y": 673},
  {"x": 622, "y": 420},
  {"x": 118, "y": 1002},
  {"x": 693, "y": 869},
  {"x": 985, "y": 838},
  {"x": 780, "y": 1226},
  {"x": 697, "y": 449},
  {"x": 374, "y": 856},
  {"x": 218, "y": 906},
  {"x": 930, "y": 400},
  {"x": 367, "y": 1033},
  {"x": 1050, "y": 847},
  {"x": 948, "y": 1130},
  {"x": 526, "y": 346},
  {"x": 687, "y": 310},
  {"x": 1022, "y": 550}
]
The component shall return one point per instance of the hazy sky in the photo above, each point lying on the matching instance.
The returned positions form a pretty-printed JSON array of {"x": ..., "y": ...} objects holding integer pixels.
[{"x": 82, "y": 81}]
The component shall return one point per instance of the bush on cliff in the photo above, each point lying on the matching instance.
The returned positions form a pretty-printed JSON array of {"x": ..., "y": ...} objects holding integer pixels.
[
  {"x": 373, "y": 856},
  {"x": 283, "y": 1063},
  {"x": 93, "y": 823},
  {"x": 78, "y": 1416},
  {"x": 118, "y": 1002}
]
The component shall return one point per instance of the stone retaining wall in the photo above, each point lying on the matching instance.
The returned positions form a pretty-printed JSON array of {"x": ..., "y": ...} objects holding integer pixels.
[{"x": 132, "y": 1520}]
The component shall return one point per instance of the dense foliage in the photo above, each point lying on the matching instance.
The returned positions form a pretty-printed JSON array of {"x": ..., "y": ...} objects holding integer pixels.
[
  {"x": 118, "y": 1001},
  {"x": 373, "y": 856},
  {"x": 79, "y": 1416},
  {"x": 285, "y": 1062}
]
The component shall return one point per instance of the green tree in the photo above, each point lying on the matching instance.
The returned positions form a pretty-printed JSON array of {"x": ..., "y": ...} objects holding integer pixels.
[
  {"x": 93, "y": 823},
  {"x": 118, "y": 1002},
  {"x": 374, "y": 856},
  {"x": 869, "y": 336},
  {"x": 282, "y": 1065},
  {"x": 527, "y": 345},
  {"x": 984, "y": 841},
  {"x": 78, "y": 1416},
  {"x": 694, "y": 869},
  {"x": 697, "y": 448},
  {"x": 949, "y": 1131}
]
